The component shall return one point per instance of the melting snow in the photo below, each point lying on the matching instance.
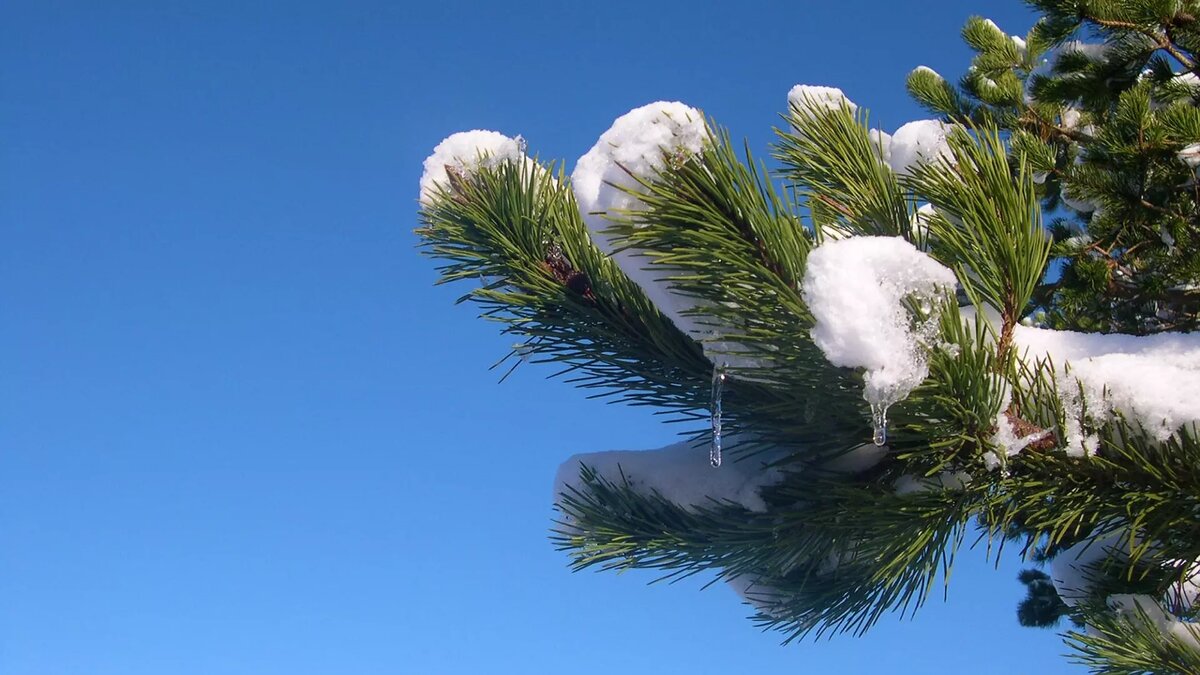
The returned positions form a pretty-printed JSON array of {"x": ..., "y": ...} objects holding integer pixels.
[{"x": 854, "y": 289}]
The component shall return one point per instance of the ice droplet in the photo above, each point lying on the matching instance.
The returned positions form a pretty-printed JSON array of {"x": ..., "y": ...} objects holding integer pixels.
[
  {"x": 718, "y": 388},
  {"x": 879, "y": 423},
  {"x": 523, "y": 350}
]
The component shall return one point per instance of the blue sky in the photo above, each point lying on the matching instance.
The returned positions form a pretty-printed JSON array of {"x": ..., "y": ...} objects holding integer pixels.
[{"x": 240, "y": 429}]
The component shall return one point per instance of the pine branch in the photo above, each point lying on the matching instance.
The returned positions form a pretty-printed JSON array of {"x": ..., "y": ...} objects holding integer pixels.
[
  {"x": 516, "y": 228},
  {"x": 719, "y": 232},
  {"x": 830, "y": 157},
  {"x": 1132, "y": 644},
  {"x": 987, "y": 224}
]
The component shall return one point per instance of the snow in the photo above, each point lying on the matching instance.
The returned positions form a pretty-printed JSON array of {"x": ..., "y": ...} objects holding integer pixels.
[
  {"x": 1093, "y": 50},
  {"x": 1181, "y": 597},
  {"x": 1190, "y": 79},
  {"x": 920, "y": 221},
  {"x": 1166, "y": 237},
  {"x": 927, "y": 69},
  {"x": 854, "y": 288},
  {"x": 466, "y": 151},
  {"x": 757, "y": 594},
  {"x": 1190, "y": 155},
  {"x": 679, "y": 473},
  {"x": 919, "y": 142},
  {"x": 1080, "y": 205},
  {"x": 881, "y": 142},
  {"x": 635, "y": 144},
  {"x": 1070, "y": 118},
  {"x": 1153, "y": 379},
  {"x": 1008, "y": 441},
  {"x": 805, "y": 98},
  {"x": 991, "y": 316},
  {"x": 947, "y": 480},
  {"x": 1019, "y": 43},
  {"x": 1144, "y": 607},
  {"x": 1072, "y": 570},
  {"x": 856, "y": 460},
  {"x": 1078, "y": 242}
]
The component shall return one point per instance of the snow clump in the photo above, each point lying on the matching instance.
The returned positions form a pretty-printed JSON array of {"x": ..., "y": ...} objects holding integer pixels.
[
  {"x": 1143, "y": 607},
  {"x": 919, "y": 223},
  {"x": 1153, "y": 380},
  {"x": 920, "y": 142},
  {"x": 806, "y": 98},
  {"x": 1190, "y": 155},
  {"x": 909, "y": 484},
  {"x": 927, "y": 69},
  {"x": 466, "y": 152},
  {"x": 1009, "y": 440},
  {"x": 854, "y": 289},
  {"x": 1074, "y": 571},
  {"x": 679, "y": 473},
  {"x": 633, "y": 148},
  {"x": 757, "y": 593}
]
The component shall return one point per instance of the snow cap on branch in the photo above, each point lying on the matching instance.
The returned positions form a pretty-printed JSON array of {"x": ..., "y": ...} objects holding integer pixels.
[
  {"x": 757, "y": 593},
  {"x": 1074, "y": 571},
  {"x": 806, "y": 97},
  {"x": 927, "y": 69},
  {"x": 636, "y": 147},
  {"x": 632, "y": 148},
  {"x": 1190, "y": 155},
  {"x": 919, "y": 142},
  {"x": 854, "y": 289},
  {"x": 466, "y": 151},
  {"x": 1138, "y": 607},
  {"x": 679, "y": 473},
  {"x": 1151, "y": 379}
]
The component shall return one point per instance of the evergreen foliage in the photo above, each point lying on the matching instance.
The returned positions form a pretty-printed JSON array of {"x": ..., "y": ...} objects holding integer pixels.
[{"x": 1099, "y": 136}]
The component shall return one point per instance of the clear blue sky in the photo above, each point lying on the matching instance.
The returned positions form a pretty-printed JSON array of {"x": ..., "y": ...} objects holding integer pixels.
[{"x": 241, "y": 431}]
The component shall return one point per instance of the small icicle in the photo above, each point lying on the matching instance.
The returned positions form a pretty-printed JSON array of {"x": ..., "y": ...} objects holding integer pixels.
[
  {"x": 718, "y": 388},
  {"x": 879, "y": 422}
]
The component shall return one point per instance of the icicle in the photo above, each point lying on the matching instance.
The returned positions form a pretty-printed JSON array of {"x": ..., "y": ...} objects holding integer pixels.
[
  {"x": 879, "y": 422},
  {"x": 718, "y": 388}
]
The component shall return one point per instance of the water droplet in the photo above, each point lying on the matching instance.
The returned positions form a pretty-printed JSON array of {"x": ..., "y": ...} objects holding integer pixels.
[
  {"x": 718, "y": 389},
  {"x": 879, "y": 423}
]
